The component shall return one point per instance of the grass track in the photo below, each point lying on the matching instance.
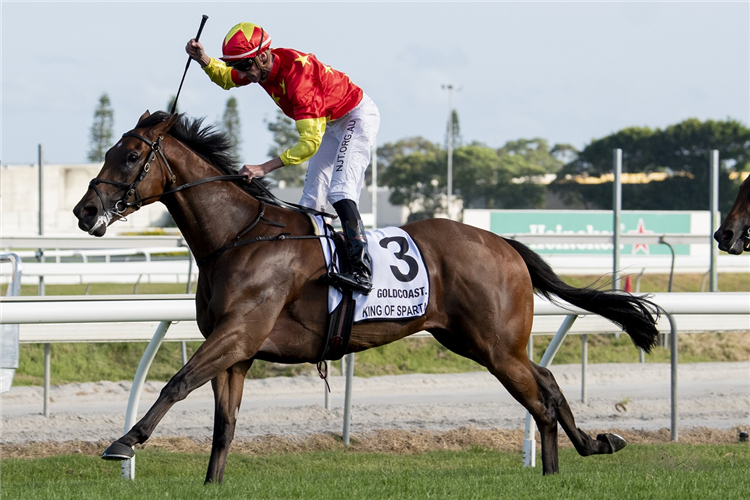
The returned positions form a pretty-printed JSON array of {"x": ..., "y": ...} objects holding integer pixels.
[{"x": 671, "y": 471}]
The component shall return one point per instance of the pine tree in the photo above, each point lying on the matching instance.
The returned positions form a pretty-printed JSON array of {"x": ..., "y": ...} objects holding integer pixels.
[
  {"x": 101, "y": 130},
  {"x": 285, "y": 136},
  {"x": 457, "y": 139},
  {"x": 231, "y": 122},
  {"x": 172, "y": 103}
]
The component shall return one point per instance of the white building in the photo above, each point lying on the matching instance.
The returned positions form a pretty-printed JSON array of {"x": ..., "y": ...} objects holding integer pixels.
[{"x": 64, "y": 185}]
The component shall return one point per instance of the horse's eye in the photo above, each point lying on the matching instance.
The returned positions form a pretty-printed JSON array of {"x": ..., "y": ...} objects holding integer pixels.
[{"x": 132, "y": 157}]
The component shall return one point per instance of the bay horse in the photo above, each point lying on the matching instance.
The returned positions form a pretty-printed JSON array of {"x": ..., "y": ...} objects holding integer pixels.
[
  {"x": 263, "y": 300},
  {"x": 733, "y": 235}
]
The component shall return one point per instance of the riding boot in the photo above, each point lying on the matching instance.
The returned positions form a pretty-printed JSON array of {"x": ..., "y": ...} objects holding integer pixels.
[{"x": 359, "y": 275}]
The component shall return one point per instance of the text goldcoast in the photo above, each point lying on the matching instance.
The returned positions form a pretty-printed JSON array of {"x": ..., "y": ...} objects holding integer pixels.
[{"x": 399, "y": 293}]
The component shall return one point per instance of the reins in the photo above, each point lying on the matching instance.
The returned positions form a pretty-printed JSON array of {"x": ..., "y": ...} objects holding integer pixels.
[
  {"x": 237, "y": 242},
  {"x": 131, "y": 190}
]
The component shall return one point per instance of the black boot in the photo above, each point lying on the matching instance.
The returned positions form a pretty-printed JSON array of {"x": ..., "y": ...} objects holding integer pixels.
[{"x": 359, "y": 276}]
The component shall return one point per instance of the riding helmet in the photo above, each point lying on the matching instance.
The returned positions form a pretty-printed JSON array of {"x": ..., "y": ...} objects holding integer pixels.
[{"x": 245, "y": 40}]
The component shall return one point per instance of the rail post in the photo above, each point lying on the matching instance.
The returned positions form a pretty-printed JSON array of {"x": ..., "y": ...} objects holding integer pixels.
[
  {"x": 9, "y": 334},
  {"x": 128, "y": 466}
]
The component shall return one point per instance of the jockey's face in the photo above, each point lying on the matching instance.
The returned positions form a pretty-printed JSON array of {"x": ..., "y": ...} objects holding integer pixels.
[
  {"x": 252, "y": 74},
  {"x": 258, "y": 70}
]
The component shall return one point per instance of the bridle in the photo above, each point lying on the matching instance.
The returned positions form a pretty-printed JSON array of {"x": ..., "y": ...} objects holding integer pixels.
[
  {"x": 131, "y": 190},
  {"x": 265, "y": 196}
]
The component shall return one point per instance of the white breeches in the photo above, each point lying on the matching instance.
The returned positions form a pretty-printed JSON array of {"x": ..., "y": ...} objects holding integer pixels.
[{"x": 337, "y": 171}]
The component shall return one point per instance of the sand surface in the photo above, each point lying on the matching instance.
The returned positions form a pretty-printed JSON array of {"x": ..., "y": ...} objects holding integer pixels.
[{"x": 710, "y": 395}]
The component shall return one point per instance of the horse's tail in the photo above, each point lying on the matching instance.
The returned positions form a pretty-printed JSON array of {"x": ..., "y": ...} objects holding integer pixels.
[{"x": 637, "y": 316}]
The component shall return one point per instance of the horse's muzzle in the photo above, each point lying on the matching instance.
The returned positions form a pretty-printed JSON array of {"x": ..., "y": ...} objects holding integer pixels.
[
  {"x": 91, "y": 217},
  {"x": 731, "y": 242}
]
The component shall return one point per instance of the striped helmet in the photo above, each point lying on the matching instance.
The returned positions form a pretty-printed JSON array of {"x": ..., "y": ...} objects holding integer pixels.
[{"x": 243, "y": 41}]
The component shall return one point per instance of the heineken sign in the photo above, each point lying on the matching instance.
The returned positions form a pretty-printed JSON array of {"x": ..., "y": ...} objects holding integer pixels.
[{"x": 571, "y": 222}]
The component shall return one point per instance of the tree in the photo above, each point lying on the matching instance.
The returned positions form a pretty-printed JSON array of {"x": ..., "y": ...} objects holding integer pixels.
[
  {"x": 231, "y": 123},
  {"x": 564, "y": 153},
  {"x": 505, "y": 178},
  {"x": 536, "y": 151},
  {"x": 418, "y": 181},
  {"x": 457, "y": 139},
  {"x": 409, "y": 167},
  {"x": 522, "y": 186},
  {"x": 680, "y": 151},
  {"x": 285, "y": 136},
  {"x": 482, "y": 177},
  {"x": 100, "y": 134},
  {"x": 388, "y": 152},
  {"x": 171, "y": 103},
  {"x": 475, "y": 169}
]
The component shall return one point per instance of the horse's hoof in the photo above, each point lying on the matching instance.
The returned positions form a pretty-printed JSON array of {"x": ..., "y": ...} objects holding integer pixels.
[
  {"x": 118, "y": 451},
  {"x": 616, "y": 443}
]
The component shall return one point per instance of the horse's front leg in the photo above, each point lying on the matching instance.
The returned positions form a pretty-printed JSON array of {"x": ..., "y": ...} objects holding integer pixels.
[
  {"x": 222, "y": 349},
  {"x": 227, "y": 387}
]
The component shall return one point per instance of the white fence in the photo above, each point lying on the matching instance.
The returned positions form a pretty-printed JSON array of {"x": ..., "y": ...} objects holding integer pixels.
[
  {"x": 52, "y": 270},
  {"x": 96, "y": 265},
  {"x": 166, "y": 309}
]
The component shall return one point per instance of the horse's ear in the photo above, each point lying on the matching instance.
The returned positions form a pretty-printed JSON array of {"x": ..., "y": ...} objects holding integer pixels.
[
  {"x": 167, "y": 124},
  {"x": 144, "y": 116}
]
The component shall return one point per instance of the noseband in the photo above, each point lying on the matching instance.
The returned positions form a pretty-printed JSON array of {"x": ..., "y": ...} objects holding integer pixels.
[{"x": 132, "y": 189}]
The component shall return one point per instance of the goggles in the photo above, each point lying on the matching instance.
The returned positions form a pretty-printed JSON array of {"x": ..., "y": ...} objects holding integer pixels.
[{"x": 243, "y": 65}]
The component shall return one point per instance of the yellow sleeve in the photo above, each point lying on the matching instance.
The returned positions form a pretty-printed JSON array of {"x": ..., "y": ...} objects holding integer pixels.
[
  {"x": 220, "y": 74},
  {"x": 311, "y": 132}
]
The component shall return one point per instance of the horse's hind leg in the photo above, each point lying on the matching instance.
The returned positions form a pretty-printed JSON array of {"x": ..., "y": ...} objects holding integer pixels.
[
  {"x": 517, "y": 375},
  {"x": 583, "y": 443},
  {"x": 227, "y": 387},
  {"x": 511, "y": 366}
]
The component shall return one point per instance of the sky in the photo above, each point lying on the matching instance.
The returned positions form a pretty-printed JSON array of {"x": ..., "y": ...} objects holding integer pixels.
[{"x": 567, "y": 72}]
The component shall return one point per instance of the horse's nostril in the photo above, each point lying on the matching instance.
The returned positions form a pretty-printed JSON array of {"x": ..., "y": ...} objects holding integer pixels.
[{"x": 89, "y": 211}]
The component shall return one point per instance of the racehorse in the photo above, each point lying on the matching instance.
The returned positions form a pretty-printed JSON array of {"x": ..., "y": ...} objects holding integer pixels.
[
  {"x": 734, "y": 233},
  {"x": 263, "y": 300}
]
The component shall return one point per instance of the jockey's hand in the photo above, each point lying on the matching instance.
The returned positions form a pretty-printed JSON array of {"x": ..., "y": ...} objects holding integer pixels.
[
  {"x": 195, "y": 50},
  {"x": 252, "y": 171}
]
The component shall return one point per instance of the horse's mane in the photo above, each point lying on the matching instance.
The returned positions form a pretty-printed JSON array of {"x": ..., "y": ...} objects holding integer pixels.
[{"x": 211, "y": 143}]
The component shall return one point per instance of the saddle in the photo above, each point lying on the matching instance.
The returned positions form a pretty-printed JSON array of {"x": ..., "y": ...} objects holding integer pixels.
[{"x": 341, "y": 319}]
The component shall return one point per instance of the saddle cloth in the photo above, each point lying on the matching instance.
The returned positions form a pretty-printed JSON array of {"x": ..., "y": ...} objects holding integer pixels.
[{"x": 401, "y": 287}]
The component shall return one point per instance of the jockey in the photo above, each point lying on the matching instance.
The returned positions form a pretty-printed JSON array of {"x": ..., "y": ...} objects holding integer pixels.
[{"x": 336, "y": 121}]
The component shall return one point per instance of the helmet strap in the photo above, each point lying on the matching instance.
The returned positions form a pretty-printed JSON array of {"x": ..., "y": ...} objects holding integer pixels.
[{"x": 263, "y": 72}]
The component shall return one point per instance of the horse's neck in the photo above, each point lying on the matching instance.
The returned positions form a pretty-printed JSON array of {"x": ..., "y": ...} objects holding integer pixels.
[{"x": 211, "y": 214}]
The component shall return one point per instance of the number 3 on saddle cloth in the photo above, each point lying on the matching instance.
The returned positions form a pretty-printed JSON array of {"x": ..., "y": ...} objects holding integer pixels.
[{"x": 400, "y": 285}]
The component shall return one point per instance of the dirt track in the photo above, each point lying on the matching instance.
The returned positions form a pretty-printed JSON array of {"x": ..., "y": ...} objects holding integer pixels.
[{"x": 392, "y": 413}]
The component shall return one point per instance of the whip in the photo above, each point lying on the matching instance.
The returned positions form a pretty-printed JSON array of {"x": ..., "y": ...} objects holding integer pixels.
[{"x": 174, "y": 103}]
